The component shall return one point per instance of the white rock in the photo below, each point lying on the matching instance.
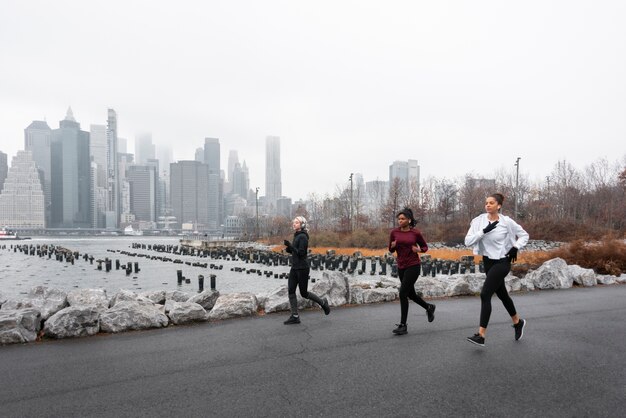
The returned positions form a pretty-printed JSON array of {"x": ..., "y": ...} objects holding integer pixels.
[
  {"x": 132, "y": 315},
  {"x": 553, "y": 274},
  {"x": 621, "y": 279},
  {"x": 356, "y": 295},
  {"x": 205, "y": 299},
  {"x": 234, "y": 305},
  {"x": 89, "y": 297},
  {"x": 19, "y": 326},
  {"x": 186, "y": 312},
  {"x": 379, "y": 294},
  {"x": 177, "y": 296},
  {"x": 74, "y": 321},
  {"x": 582, "y": 276},
  {"x": 3, "y": 299},
  {"x": 460, "y": 287},
  {"x": 46, "y": 300},
  {"x": 156, "y": 296},
  {"x": 125, "y": 295},
  {"x": 334, "y": 286},
  {"x": 430, "y": 287}
]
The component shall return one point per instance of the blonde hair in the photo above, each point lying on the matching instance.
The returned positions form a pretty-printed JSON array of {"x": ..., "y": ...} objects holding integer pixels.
[{"x": 303, "y": 224}]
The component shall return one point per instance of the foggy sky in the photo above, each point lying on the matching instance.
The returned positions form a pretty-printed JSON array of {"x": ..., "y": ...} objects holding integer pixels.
[{"x": 348, "y": 86}]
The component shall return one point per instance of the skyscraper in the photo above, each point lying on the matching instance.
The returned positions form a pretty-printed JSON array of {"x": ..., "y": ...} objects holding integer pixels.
[
  {"x": 409, "y": 174},
  {"x": 273, "y": 184},
  {"x": 233, "y": 158},
  {"x": 216, "y": 187},
  {"x": 113, "y": 184},
  {"x": 98, "y": 154},
  {"x": 37, "y": 139},
  {"x": 22, "y": 199},
  {"x": 144, "y": 148},
  {"x": 143, "y": 191},
  {"x": 4, "y": 169},
  {"x": 189, "y": 186},
  {"x": 71, "y": 175}
]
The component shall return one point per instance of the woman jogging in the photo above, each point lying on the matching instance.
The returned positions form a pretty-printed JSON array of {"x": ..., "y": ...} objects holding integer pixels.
[
  {"x": 497, "y": 238},
  {"x": 407, "y": 242},
  {"x": 299, "y": 273}
]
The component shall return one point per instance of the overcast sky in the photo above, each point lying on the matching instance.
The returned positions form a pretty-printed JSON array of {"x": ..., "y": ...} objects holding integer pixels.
[{"x": 348, "y": 86}]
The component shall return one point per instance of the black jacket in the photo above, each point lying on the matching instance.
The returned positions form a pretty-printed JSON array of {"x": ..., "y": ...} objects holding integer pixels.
[{"x": 299, "y": 249}]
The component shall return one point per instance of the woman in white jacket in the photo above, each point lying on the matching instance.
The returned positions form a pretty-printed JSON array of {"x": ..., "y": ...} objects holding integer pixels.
[{"x": 497, "y": 238}]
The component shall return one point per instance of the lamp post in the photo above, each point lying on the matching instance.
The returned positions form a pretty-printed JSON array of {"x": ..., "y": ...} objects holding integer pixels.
[
  {"x": 256, "y": 192},
  {"x": 351, "y": 175},
  {"x": 516, "y": 184}
]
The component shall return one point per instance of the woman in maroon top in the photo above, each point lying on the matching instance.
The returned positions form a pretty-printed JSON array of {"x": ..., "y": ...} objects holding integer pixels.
[{"x": 407, "y": 242}]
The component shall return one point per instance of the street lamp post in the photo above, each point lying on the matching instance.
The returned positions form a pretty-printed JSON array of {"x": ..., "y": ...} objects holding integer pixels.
[
  {"x": 516, "y": 184},
  {"x": 351, "y": 175},
  {"x": 256, "y": 192}
]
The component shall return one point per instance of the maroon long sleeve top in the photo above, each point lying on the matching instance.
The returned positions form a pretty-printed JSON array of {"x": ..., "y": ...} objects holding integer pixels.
[{"x": 405, "y": 240}]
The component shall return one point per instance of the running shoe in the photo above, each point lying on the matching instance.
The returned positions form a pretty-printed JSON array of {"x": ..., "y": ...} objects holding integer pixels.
[
  {"x": 519, "y": 329},
  {"x": 400, "y": 329},
  {"x": 477, "y": 339},
  {"x": 431, "y": 312},
  {"x": 292, "y": 320}
]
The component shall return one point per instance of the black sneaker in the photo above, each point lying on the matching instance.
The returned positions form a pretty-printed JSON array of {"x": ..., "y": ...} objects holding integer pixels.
[
  {"x": 292, "y": 320},
  {"x": 400, "y": 329},
  {"x": 477, "y": 339},
  {"x": 326, "y": 306},
  {"x": 431, "y": 312},
  {"x": 519, "y": 329}
]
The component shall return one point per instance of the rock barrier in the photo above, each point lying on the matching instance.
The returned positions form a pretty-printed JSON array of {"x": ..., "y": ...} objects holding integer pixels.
[{"x": 53, "y": 313}]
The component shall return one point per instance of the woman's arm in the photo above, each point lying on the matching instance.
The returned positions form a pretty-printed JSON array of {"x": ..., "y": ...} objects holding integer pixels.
[
  {"x": 392, "y": 242},
  {"x": 521, "y": 235},
  {"x": 475, "y": 233},
  {"x": 421, "y": 242}
]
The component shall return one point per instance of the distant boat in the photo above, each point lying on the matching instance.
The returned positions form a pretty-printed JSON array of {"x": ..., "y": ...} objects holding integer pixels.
[
  {"x": 134, "y": 232},
  {"x": 5, "y": 234}
]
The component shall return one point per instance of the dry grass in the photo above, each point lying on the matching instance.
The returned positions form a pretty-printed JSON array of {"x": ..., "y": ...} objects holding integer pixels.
[{"x": 528, "y": 257}]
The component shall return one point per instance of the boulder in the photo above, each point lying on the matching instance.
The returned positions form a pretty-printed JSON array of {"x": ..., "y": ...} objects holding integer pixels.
[
  {"x": 89, "y": 297},
  {"x": 132, "y": 315},
  {"x": 3, "y": 299},
  {"x": 125, "y": 295},
  {"x": 234, "y": 305},
  {"x": 621, "y": 279},
  {"x": 605, "y": 279},
  {"x": 379, "y": 294},
  {"x": 334, "y": 286},
  {"x": 582, "y": 276},
  {"x": 157, "y": 296},
  {"x": 460, "y": 287},
  {"x": 553, "y": 274},
  {"x": 74, "y": 321},
  {"x": 177, "y": 296},
  {"x": 205, "y": 299},
  {"x": 429, "y": 287},
  {"x": 356, "y": 294},
  {"x": 19, "y": 326},
  {"x": 186, "y": 312},
  {"x": 47, "y": 301}
]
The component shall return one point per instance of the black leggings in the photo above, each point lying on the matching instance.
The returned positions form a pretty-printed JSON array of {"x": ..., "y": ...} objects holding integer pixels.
[
  {"x": 494, "y": 283},
  {"x": 408, "y": 277},
  {"x": 300, "y": 278}
]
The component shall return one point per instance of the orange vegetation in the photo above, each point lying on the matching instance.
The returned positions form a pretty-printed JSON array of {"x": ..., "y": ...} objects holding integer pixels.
[{"x": 531, "y": 257}]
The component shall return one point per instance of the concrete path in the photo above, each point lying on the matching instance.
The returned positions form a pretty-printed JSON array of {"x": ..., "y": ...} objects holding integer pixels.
[{"x": 571, "y": 362}]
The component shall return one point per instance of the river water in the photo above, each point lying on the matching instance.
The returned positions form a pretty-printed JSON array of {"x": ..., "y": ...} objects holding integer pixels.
[{"x": 20, "y": 272}]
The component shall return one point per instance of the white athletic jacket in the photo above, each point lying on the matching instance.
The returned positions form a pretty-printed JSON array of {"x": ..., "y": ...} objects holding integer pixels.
[{"x": 498, "y": 242}]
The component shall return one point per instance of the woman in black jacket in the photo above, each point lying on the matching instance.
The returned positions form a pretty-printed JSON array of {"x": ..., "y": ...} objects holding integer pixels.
[{"x": 299, "y": 273}]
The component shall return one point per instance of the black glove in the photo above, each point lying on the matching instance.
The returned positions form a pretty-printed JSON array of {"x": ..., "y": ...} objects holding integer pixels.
[
  {"x": 490, "y": 227},
  {"x": 512, "y": 254},
  {"x": 287, "y": 243}
]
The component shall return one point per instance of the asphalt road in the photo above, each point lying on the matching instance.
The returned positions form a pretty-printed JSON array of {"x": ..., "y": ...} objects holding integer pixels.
[{"x": 571, "y": 362}]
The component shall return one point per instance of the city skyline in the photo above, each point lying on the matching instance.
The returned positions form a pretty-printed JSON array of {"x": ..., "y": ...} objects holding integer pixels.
[{"x": 347, "y": 87}]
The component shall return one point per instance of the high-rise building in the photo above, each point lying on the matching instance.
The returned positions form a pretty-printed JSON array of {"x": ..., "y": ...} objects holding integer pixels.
[
  {"x": 273, "y": 184},
  {"x": 409, "y": 174},
  {"x": 233, "y": 158},
  {"x": 144, "y": 148},
  {"x": 165, "y": 157},
  {"x": 37, "y": 139},
  {"x": 71, "y": 175},
  {"x": 4, "y": 169},
  {"x": 98, "y": 155},
  {"x": 240, "y": 181},
  {"x": 22, "y": 199},
  {"x": 112, "y": 217},
  {"x": 199, "y": 156},
  {"x": 216, "y": 185},
  {"x": 189, "y": 186},
  {"x": 142, "y": 180}
]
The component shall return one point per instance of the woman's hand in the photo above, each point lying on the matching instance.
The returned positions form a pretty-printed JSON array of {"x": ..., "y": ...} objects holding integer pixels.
[
  {"x": 415, "y": 249},
  {"x": 393, "y": 244}
]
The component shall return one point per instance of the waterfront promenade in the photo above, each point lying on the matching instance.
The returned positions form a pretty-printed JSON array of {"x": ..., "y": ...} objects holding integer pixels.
[{"x": 570, "y": 363}]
